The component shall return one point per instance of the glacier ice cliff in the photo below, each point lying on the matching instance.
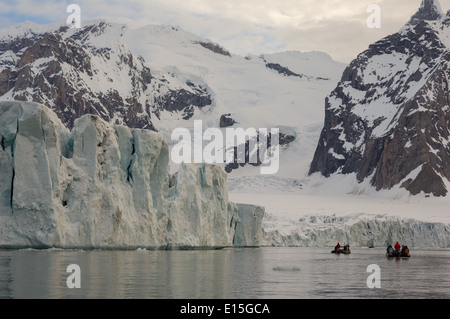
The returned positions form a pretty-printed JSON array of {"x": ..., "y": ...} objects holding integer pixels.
[
  {"x": 106, "y": 186},
  {"x": 249, "y": 232},
  {"x": 359, "y": 230}
]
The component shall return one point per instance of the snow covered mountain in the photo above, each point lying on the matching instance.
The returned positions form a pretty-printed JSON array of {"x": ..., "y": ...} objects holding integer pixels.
[
  {"x": 155, "y": 70},
  {"x": 87, "y": 71},
  {"x": 162, "y": 78},
  {"x": 387, "y": 122}
]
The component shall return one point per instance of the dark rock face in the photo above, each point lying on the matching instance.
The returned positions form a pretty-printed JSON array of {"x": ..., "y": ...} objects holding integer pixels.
[
  {"x": 287, "y": 72},
  {"x": 214, "y": 48},
  {"x": 183, "y": 101},
  {"x": 226, "y": 121},
  {"x": 282, "y": 70},
  {"x": 429, "y": 10},
  {"x": 56, "y": 71},
  {"x": 74, "y": 77},
  {"x": 388, "y": 118},
  {"x": 284, "y": 140}
]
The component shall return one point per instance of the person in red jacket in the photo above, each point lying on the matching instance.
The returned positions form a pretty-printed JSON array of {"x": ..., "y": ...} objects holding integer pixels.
[{"x": 397, "y": 247}]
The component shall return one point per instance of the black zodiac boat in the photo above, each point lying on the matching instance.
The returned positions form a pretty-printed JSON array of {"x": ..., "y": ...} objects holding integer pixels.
[
  {"x": 398, "y": 254},
  {"x": 345, "y": 250}
]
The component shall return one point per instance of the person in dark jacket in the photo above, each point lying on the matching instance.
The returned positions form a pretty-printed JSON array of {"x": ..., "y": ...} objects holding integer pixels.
[{"x": 390, "y": 249}]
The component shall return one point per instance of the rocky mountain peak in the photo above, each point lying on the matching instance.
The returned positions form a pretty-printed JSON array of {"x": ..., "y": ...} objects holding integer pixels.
[
  {"x": 429, "y": 10},
  {"x": 387, "y": 120},
  {"x": 90, "y": 71}
]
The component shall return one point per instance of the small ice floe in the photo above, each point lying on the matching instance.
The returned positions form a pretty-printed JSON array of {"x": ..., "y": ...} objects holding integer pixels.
[{"x": 286, "y": 268}]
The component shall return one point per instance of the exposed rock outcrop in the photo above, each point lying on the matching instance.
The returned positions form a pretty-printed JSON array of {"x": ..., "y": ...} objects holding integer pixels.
[
  {"x": 214, "y": 48},
  {"x": 242, "y": 159},
  {"x": 226, "y": 121}
]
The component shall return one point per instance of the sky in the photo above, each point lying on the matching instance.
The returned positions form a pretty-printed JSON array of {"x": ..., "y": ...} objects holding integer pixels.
[{"x": 337, "y": 27}]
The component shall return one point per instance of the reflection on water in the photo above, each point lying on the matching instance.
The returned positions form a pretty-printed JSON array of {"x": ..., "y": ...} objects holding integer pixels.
[{"x": 285, "y": 273}]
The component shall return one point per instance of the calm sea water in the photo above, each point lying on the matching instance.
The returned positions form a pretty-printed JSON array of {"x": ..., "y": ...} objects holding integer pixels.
[{"x": 265, "y": 273}]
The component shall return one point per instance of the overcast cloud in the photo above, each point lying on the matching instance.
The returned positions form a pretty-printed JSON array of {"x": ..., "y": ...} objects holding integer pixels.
[{"x": 337, "y": 27}]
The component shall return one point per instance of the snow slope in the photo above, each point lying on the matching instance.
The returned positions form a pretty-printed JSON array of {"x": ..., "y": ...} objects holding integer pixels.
[{"x": 244, "y": 87}]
